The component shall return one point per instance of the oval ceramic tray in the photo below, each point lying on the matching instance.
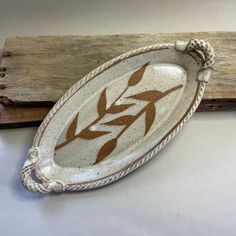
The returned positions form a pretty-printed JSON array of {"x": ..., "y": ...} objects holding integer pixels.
[{"x": 118, "y": 116}]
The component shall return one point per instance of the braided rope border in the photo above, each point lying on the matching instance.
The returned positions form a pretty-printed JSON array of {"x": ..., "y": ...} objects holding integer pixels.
[{"x": 48, "y": 186}]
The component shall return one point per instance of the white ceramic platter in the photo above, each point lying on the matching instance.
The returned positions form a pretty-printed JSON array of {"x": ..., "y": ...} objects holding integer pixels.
[{"x": 118, "y": 116}]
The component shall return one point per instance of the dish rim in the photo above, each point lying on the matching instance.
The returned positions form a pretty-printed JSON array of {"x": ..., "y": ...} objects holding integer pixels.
[{"x": 206, "y": 54}]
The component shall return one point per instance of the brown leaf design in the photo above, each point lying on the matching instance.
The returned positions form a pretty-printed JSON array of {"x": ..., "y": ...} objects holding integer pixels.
[
  {"x": 89, "y": 134},
  {"x": 123, "y": 120},
  {"x": 151, "y": 95},
  {"x": 150, "y": 116},
  {"x": 137, "y": 75},
  {"x": 102, "y": 103},
  {"x": 106, "y": 150},
  {"x": 72, "y": 128},
  {"x": 119, "y": 108}
]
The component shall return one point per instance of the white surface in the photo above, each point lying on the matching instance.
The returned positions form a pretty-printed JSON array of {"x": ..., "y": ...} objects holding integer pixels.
[{"x": 189, "y": 190}]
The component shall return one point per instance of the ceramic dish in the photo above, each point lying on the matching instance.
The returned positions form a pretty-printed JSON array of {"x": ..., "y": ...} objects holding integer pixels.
[{"x": 118, "y": 116}]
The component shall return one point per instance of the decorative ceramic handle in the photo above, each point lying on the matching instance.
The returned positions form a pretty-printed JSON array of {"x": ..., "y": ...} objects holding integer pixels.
[
  {"x": 198, "y": 45},
  {"x": 29, "y": 183},
  {"x": 205, "y": 48}
]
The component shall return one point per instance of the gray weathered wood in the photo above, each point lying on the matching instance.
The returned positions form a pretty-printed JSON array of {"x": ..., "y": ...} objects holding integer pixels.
[{"x": 40, "y": 69}]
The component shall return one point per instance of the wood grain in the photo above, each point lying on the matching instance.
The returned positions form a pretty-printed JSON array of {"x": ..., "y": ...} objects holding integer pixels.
[
  {"x": 21, "y": 116},
  {"x": 36, "y": 71}
]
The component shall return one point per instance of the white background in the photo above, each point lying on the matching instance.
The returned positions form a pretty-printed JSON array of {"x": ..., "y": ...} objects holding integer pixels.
[{"x": 190, "y": 189}]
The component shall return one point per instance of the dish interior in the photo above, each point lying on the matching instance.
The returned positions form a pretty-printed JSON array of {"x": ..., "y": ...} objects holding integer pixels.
[{"x": 119, "y": 115}]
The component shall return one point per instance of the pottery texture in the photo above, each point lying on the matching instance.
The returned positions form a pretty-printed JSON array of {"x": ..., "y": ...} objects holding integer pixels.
[{"x": 118, "y": 117}]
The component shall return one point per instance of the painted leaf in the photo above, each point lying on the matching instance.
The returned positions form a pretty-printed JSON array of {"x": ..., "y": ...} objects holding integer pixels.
[
  {"x": 151, "y": 95},
  {"x": 119, "y": 108},
  {"x": 72, "y": 128},
  {"x": 106, "y": 150},
  {"x": 89, "y": 134},
  {"x": 102, "y": 103},
  {"x": 137, "y": 75},
  {"x": 150, "y": 116},
  {"x": 123, "y": 120}
]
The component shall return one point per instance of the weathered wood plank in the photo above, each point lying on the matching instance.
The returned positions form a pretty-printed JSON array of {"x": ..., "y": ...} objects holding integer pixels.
[
  {"x": 36, "y": 71},
  {"x": 41, "y": 69}
]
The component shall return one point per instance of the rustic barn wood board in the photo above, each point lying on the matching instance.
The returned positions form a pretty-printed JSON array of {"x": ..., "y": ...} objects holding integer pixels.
[{"x": 36, "y": 71}]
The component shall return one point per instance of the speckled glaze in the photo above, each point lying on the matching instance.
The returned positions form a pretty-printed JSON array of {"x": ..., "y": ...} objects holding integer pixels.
[{"x": 118, "y": 116}]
